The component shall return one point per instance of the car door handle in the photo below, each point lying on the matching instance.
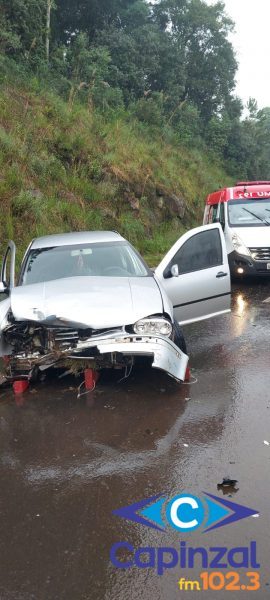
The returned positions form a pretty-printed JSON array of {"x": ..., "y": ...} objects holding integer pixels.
[{"x": 221, "y": 274}]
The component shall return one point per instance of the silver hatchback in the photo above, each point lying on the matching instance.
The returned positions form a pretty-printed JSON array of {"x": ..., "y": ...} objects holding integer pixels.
[{"x": 88, "y": 300}]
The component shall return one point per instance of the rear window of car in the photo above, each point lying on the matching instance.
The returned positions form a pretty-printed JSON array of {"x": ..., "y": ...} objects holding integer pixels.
[{"x": 107, "y": 259}]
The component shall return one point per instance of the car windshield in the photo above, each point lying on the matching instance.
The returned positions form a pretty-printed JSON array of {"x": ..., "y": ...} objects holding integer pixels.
[
  {"x": 108, "y": 259},
  {"x": 249, "y": 213}
]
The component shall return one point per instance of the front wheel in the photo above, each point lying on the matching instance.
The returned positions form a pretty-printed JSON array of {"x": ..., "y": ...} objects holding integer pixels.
[{"x": 178, "y": 337}]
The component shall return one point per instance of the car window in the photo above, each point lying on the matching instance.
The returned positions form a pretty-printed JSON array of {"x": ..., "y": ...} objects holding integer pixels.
[
  {"x": 212, "y": 214},
  {"x": 201, "y": 251},
  {"x": 222, "y": 215},
  {"x": 114, "y": 259}
]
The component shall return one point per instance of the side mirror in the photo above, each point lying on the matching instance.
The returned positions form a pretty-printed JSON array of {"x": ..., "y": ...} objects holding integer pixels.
[
  {"x": 175, "y": 271},
  {"x": 3, "y": 288}
]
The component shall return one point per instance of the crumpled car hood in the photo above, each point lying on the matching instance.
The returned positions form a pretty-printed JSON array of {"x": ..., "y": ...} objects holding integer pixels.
[{"x": 94, "y": 302}]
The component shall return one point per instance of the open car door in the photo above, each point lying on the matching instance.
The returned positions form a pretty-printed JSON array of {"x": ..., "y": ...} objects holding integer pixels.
[
  {"x": 7, "y": 282},
  {"x": 196, "y": 276},
  {"x": 7, "y": 276}
]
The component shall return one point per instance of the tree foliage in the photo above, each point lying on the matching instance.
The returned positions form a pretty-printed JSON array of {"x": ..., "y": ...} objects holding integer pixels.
[
  {"x": 22, "y": 28},
  {"x": 171, "y": 62}
]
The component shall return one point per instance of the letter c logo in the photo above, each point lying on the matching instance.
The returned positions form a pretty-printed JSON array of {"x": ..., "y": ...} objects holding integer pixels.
[
  {"x": 174, "y": 513},
  {"x": 185, "y": 513}
]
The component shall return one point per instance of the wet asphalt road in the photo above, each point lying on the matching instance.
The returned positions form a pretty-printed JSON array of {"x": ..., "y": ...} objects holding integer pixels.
[{"x": 67, "y": 463}]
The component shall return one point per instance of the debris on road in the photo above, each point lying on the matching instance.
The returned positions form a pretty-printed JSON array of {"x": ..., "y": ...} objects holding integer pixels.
[
  {"x": 20, "y": 386},
  {"x": 227, "y": 482}
]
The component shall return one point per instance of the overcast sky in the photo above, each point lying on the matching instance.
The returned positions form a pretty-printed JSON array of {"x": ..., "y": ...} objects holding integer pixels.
[{"x": 251, "y": 42}]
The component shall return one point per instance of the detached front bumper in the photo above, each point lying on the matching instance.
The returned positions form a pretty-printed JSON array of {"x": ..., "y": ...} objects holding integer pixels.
[
  {"x": 166, "y": 355},
  {"x": 109, "y": 350}
]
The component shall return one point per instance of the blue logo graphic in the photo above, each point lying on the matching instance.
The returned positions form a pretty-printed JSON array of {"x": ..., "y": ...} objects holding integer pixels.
[{"x": 185, "y": 512}]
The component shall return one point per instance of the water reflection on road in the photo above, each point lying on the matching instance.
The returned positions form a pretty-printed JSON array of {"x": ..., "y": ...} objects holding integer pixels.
[{"x": 67, "y": 463}]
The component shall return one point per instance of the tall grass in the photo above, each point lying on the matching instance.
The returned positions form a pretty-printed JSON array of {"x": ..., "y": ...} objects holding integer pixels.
[{"x": 63, "y": 170}]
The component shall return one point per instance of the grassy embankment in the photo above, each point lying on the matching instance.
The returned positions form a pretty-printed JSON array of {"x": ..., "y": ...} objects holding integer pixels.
[{"x": 65, "y": 169}]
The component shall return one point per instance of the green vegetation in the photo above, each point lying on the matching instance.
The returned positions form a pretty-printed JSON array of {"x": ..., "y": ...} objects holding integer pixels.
[
  {"x": 119, "y": 114},
  {"x": 64, "y": 169}
]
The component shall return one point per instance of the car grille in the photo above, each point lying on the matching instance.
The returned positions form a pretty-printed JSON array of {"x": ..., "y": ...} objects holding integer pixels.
[
  {"x": 66, "y": 334},
  {"x": 261, "y": 254},
  {"x": 69, "y": 338},
  {"x": 65, "y": 338}
]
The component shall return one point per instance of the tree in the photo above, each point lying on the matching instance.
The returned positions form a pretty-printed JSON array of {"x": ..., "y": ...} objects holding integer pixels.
[
  {"x": 50, "y": 5},
  {"x": 145, "y": 59},
  {"x": 91, "y": 16},
  {"x": 170, "y": 60},
  {"x": 248, "y": 146},
  {"x": 262, "y": 136},
  {"x": 9, "y": 40},
  {"x": 252, "y": 107},
  {"x": 87, "y": 69},
  {"x": 23, "y": 28},
  {"x": 202, "y": 35}
]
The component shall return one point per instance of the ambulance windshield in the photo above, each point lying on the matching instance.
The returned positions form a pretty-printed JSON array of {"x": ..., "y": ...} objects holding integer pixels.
[{"x": 249, "y": 213}]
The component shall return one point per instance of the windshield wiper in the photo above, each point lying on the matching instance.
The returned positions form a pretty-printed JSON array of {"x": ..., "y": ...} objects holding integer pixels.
[{"x": 256, "y": 216}]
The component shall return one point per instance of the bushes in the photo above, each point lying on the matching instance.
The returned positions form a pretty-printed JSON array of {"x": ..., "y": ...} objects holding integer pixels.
[
  {"x": 29, "y": 206},
  {"x": 149, "y": 110},
  {"x": 63, "y": 169}
]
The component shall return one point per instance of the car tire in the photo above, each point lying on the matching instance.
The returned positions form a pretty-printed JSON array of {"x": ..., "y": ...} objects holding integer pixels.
[{"x": 178, "y": 337}]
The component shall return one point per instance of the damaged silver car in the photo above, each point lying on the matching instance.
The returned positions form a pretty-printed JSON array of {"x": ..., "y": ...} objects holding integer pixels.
[{"x": 88, "y": 300}]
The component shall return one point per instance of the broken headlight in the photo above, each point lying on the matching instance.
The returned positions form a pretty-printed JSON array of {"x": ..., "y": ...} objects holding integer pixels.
[{"x": 154, "y": 326}]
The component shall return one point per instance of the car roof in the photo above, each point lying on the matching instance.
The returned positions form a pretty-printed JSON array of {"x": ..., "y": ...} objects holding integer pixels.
[{"x": 77, "y": 237}]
